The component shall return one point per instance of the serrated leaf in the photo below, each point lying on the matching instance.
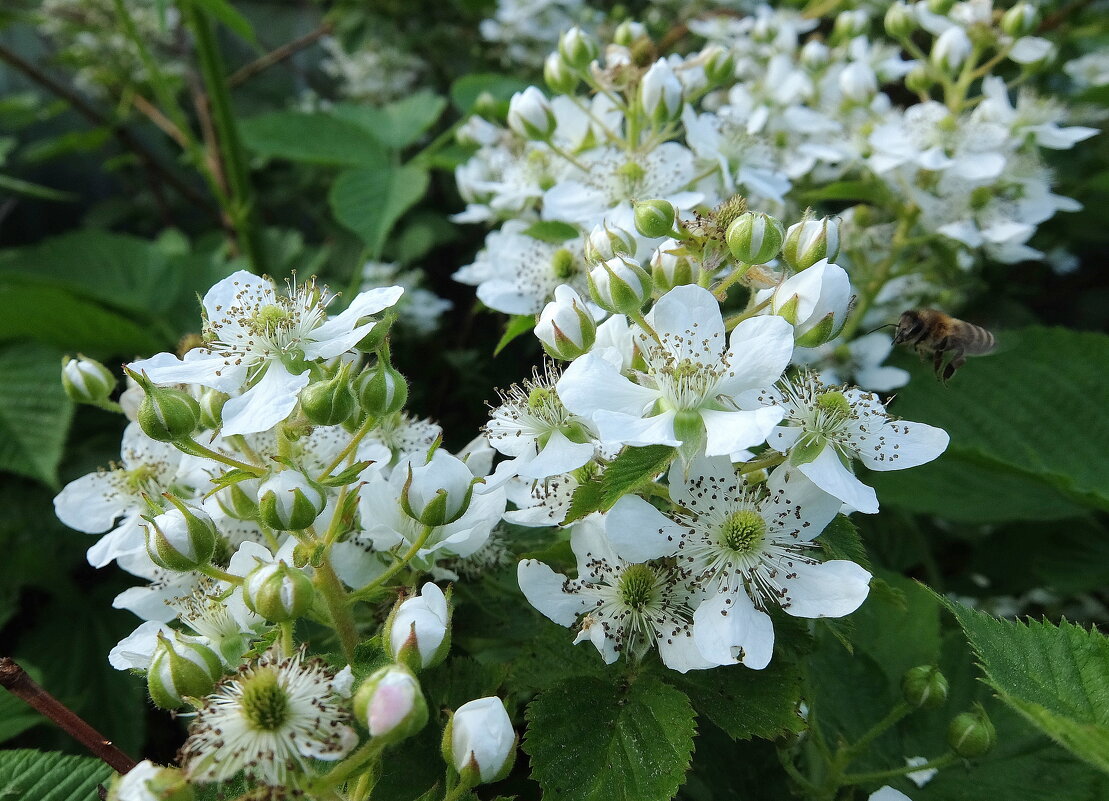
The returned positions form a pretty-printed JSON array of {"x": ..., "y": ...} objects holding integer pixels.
[
  {"x": 518, "y": 325},
  {"x": 591, "y": 741},
  {"x": 840, "y": 540},
  {"x": 28, "y": 775},
  {"x": 313, "y": 138},
  {"x": 552, "y": 231},
  {"x": 629, "y": 471},
  {"x": 397, "y": 124},
  {"x": 466, "y": 90},
  {"x": 34, "y": 413},
  {"x": 369, "y": 201},
  {"x": 747, "y": 703}
]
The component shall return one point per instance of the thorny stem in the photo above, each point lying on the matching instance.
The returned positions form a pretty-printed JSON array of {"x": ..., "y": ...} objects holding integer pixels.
[
  {"x": 15, "y": 679},
  {"x": 331, "y": 588},
  {"x": 396, "y": 567}
]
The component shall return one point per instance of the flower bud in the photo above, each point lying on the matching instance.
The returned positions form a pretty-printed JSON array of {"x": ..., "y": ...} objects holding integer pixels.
[
  {"x": 1020, "y": 20},
  {"x": 211, "y": 403},
  {"x": 608, "y": 241},
  {"x": 815, "y": 302},
  {"x": 438, "y": 492},
  {"x": 278, "y": 592},
  {"x": 390, "y": 704},
  {"x": 558, "y": 76},
  {"x": 149, "y": 782},
  {"x": 971, "y": 734},
  {"x": 289, "y": 501},
  {"x": 330, "y": 402},
  {"x": 479, "y": 742},
  {"x": 950, "y": 50},
  {"x": 375, "y": 338},
  {"x": 809, "y": 241},
  {"x": 660, "y": 92},
  {"x": 181, "y": 668},
  {"x": 669, "y": 269},
  {"x": 718, "y": 64},
  {"x": 620, "y": 286},
  {"x": 86, "y": 380},
  {"x": 530, "y": 115},
  {"x": 181, "y": 539},
  {"x": 850, "y": 23},
  {"x": 577, "y": 48},
  {"x": 924, "y": 686},
  {"x": 654, "y": 218},
  {"x": 940, "y": 7},
  {"x": 899, "y": 21},
  {"x": 755, "y": 238},
  {"x": 919, "y": 80},
  {"x": 628, "y": 32},
  {"x": 165, "y": 414},
  {"x": 565, "y": 327},
  {"x": 382, "y": 390},
  {"x": 858, "y": 82},
  {"x": 239, "y": 500},
  {"x": 815, "y": 55},
  {"x": 417, "y": 632}
]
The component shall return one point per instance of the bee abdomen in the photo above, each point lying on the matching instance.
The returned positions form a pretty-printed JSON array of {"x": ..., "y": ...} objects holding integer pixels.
[{"x": 979, "y": 341}]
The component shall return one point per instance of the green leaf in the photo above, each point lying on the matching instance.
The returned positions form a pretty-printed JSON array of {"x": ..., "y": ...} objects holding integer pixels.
[
  {"x": 1002, "y": 411},
  {"x": 369, "y": 201},
  {"x": 747, "y": 703},
  {"x": 49, "y": 776},
  {"x": 591, "y": 741},
  {"x": 313, "y": 138},
  {"x": 518, "y": 324},
  {"x": 34, "y": 413},
  {"x": 898, "y": 628},
  {"x": 224, "y": 12},
  {"x": 34, "y": 190},
  {"x": 840, "y": 540},
  {"x": 467, "y": 89},
  {"x": 1057, "y": 677},
  {"x": 552, "y": 231},
  {"x": 629, "y": 471},
  {"x": 15, "y": 716},
  {"x": 398, "y": 124},
  {"x": 866, "y": 191}
]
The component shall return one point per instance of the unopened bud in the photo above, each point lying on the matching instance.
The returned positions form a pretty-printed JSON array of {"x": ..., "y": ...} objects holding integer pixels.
[
  {"x": 86, "y": 380},
  {"x": 565, "y": 327},
  {"x": 438, "y": 492},
  {"x": 278, "y": 592},
  {"x": 417, "y": 631},
  {"x": 577, "y": 48},
  {"x": 382, "y": 390},
  {"x": 620, "y": 286},
  {"x": 390, "y": 704},
  {"x": 608, "y": 241},
  {"x": 182, "y": 539},
  {"x": 240, "y": 500},
  {"x": 628, "y": 33},
  {"x": 971, "y": 734},
  {"x": 149, "y": 782},
  {"x": 211, "y": 404},
  {"x": 181, "y": 668},
  {"x": 858, "y": 82},
  {"x": 850, "y": 23},
  {"x": 809, "y": 241},
  {"x": 815, "y": 55},
  {"x": 289, "y": 501},
  {"x": 940, "y": 7},
  {"x": 530, "y": 115},
  {"x": 479, "y": 742},
  {"x": 329, "y": 402},
  {"x": 1020, "y": 20},
  {"x": 950, "y": 50},
  {"x": 719, "y": 65},
  {"x": 654, "y": 218},
  {"x": 558, "y": 75},
  {"x": 660, "y": 92},
  {"x": 166, "y": 414},
  {"x": 919, "y": 80},
  {"x": 924, "y": 686},
  {"x": 899, "y": 20},
  {"x": 377, "y": 333},
  {"x": 670, "y": 269},
  {"x": 755, "y": 238}
]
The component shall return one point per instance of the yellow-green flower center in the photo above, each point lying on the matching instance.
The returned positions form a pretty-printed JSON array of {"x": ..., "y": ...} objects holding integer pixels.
[
  {"x": 835, "y": 406},
  {"x": 743, "y": 531},
  {"x": 270, "y": 318},
  {"x": 637, "y": 586},
  {"x": 562, "y": 263},
  {"x": 265, "y": 703}
]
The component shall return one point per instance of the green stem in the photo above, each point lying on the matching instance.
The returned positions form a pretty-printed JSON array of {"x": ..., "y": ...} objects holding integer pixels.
[
  {"x": 194, "y": 448},
  {"x": 369, "y": 750},
  {"x": 459, "y": 791},
  {"x": 287, "y": 643},
  {"x": 436, "y": 144},
  {"x": 220, "y": 575},
  {"x": 760, "y": 463},
  {"x": 641, "y": 321},
  {"x": 559, "y": 151},
  {"x": 791, "y": 769},
  {"x": 900, "y": 710},
  {"x": 881, "y": 775},
  {"x": 241, "y": 208},
  {"x": 109, "y": 406},
  {"x": 736, "y": 319},
  {"x": 396, "y": 567},
  {"x": 335, "y": 596},
  {"x": 363, "y": 430}
]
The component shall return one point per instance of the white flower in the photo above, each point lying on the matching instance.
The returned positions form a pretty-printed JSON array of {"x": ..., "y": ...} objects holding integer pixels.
[
  {"x": 268, "y": 721},
  {"x": 660, "y": 91},
  {"x": 815, "y": 301},
  {"x": 540, "y": 503},
  {"x": 888, "y": 793},
  {"x": 530, "y": 115},
  {"x": 826, "y": 426},
  {"x": 691, "y": 378},
  {"x": 148, "y": 782},
  {"x": 951, "y": 49},
  {"x": 920, "y": 777},
  {"x": 482, "y": 737},
  {"x": 420, "y": 622},
  {"x": 856, "y": 362},
  {"x": 259, "y": 342},
  {"x": 624, "y": 605}
]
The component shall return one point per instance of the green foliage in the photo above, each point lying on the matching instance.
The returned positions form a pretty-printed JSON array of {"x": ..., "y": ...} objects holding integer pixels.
[
  {"x": 466, "y": 90},
  {"x": 396, "y": 125},
  {"x": 1057, "y": 677},
  {"x": 34, "y": 413},
  {"x": 48, "y": 776},
  {"x": 15, "y": 716},
  {"x": 629, "y": 471},
  {"x": 552, "y": 231},
  {"x": 225, "y": 13},
  {"x": 370, "y": 200},
  {"x": 518, "y": 325},
  {"x": 312, "y": 138},
  {"x": 591, "y": 741},
  {"x": 840, "y": 540}
]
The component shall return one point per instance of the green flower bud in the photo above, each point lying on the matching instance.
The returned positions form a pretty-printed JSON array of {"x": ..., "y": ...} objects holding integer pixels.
[
  {"x": 182, "y": 539},
  {"x": 438, "y": 492},
  {"x": 382, "y": 390},
  {"x": 755, "y": 238},
  {"x": 1020, "y": 20},
  {"x": 971, "y": 734},
  {"x": 919, "y": 80},
  {"x": 390, "y": 704},
  {"x": 577, "y": 48},
  {"x": 181, "y": 669},
  {"x": 289, "y": 501},
  {"x": 330, "y": 402},
  {"x": 211, "y": 407},
  {"x": 530, "y": 115},
  {"x": 940, "y": 7},
  {"x": 565, "y": 327},
  {"x": 809, "y": 241},
  {"x": 620, "y": 286},
  {"x": 86, "y": 380},
  {"x": 815, "y": 55},
  {"x": 278, "y": 592},
  {"x": 654, "y": 218},
  {"x": 850, "y": 23},
  {"x": 558, "y": 75},
  {"x": 719, "y": 65},
  {"x": 606, "y": 242},
  {"x": 670, "y": 269},
  {"x": 924, "y": 686},
  {"x": 166, "y": 414},
  {"x": 376, "y": 336},
  {"x": 628, "y": 32},
  {"x": 240, "y": 500},
  {"x": 417, "y": 632},
  {"x": 899, "y": 21}
]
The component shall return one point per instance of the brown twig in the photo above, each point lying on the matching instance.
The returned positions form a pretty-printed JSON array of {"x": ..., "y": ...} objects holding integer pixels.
[
  {"x": 15, "y": 679},
  {"x": 121, "y": 133},
  {"x": 154, "y": 114},
  {"x": 277, "y": 55}
]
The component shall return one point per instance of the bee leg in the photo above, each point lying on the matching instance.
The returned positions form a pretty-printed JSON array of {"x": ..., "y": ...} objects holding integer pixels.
[
  {"x": 937, "y": 358},
  {"x": 957, "y": 361}
]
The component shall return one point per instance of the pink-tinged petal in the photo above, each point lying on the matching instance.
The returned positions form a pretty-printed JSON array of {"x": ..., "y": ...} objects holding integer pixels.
[
  {"x": 559, "y": 455},
  {"x": 200, "y": 366},
  {"x": 265, "y": 404},
  {"x": 759, "y": 351},
  {"x": 900, "y": 444},
  {"x": 639, "y": 531},
  {"x": 800, "y": 508},
  {"x": 829, "y": 473},
  {"x": 543, "y": 589},
  {"x": 627, "y": 429},
  {"x": 825, "y": 589},
  {"x": 688, "y": 320},
  {"x": 92, "y": 503},
  {"x": 728, "y": 432},
  {"x": 727, "y": 622},
  {"x": 591, "y": 384}
]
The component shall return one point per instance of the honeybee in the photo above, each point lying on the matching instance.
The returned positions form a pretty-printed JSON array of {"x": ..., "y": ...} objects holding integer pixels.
[{"x": 930, "y": 331}]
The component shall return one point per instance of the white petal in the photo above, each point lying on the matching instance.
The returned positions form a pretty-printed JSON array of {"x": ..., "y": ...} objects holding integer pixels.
[
  {"x": 901, "y": 444},
  {"x": 678, "y": 651},
  {"x": 591, "y": 383},
  {"x": 729, "y": 621},
  {"x": 265, "y": 404},
  {"x": 135, "y": 651},
  {"x": 826, "y": 589},
  {"x": 559, "y": 455},
  {"x": 543, "y": 589},
  {"x": 828, "y": 473},
  {"x": 91, "y": 503},
  {"x": 800, "y": 508},
  {"x": 225, "y": 294},
  {"x": 125, "y": 540},
  {"x": 590, "y": 545},
  {"x": 626, "y": 429},
  {"x": 758, "y": 352},
  {"x": 888, "y": 793},
  {"x": 728, "y": 432},
  {"x": 366, "y": 303},
  {"x": 688, "y": 320},
  {"x": 639, "y": 531},
  {"x": 199, "y": 366}
]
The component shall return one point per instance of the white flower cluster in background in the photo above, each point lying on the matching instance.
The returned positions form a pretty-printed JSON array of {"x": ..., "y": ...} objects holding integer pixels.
[
  {"x": 376, "y": 72},
  {"x": 419, "y": 310}
]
